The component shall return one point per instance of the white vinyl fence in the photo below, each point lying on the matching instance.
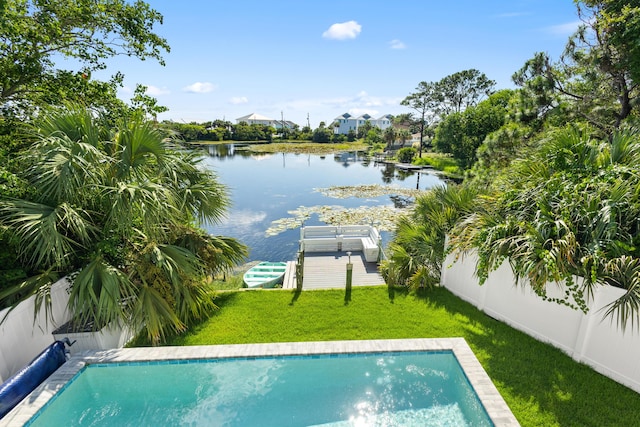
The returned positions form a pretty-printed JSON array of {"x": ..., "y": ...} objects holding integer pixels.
[
  {"x": 22, "y": 338},
  {"x": 588, "y": 338}
]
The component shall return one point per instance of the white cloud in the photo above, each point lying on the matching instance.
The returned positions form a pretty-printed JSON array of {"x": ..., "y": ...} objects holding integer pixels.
[
  {"x": 397, "y": 44},
  {"x": 357, "y": 112},
  {"x": 355, "y": 105},
  {"x": 156, "y": 91},
  {"x": 513, "y": 14},
  {"x": 237, "y": 100},
  {"x": 200, "y": 87},
  {"x": 565, "y": 29},
  {"x": 343, "y": 31}
]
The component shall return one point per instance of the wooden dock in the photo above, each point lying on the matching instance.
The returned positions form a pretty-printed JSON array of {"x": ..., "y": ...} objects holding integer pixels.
[{"x": 328, "y": 270}]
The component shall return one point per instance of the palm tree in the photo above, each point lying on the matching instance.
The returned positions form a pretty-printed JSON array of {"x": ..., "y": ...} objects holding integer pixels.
[
  {"x": 417, "y": 251},
  {"x": 118, "y": 209},
  {"x": 403, "y": 135},
  {"x": 389, "y": 136}
]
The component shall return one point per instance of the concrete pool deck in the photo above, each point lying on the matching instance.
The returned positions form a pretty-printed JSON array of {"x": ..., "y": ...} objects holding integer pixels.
[{"x": 491, "y": 399}]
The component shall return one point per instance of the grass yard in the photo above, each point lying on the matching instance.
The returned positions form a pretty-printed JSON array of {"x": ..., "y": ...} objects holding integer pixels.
[{"x": 542, "y": 385}]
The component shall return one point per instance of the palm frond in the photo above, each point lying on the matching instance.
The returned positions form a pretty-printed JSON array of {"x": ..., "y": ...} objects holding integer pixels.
[
  {"x": 176, "y": 262},
  {"x": 49, "y": 236},
  {"x": 624, "y": 272},
  {"x": 151, "y": 310},
  {"x": 38, "y": 286},
  {"x": 101, "y": 294}
]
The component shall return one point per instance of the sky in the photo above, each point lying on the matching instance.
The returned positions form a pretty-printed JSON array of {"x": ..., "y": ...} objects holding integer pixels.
[{"x": 309, "y": 61}]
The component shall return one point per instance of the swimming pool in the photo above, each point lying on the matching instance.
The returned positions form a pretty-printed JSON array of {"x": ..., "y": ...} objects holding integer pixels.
[{"x": 350, "y": 383}]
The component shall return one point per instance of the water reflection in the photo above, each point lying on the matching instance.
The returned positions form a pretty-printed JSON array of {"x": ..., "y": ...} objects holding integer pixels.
[
  {"x": 222, "y": 151},
  {"x": 388, "y": 172}
]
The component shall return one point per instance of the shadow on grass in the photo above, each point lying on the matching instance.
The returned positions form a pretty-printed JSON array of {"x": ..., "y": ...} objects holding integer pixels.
[
  {"x": 391, "y": 291},
  {"x": 347, "y": 295},
  {"x": 531, "y": 373},
  {"x": 221, "y": 300},
  {"x": 296, "y": 295}
]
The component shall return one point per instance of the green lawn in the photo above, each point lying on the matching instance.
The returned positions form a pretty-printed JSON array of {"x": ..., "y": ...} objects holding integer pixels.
[{"x": 542, "y": 385}]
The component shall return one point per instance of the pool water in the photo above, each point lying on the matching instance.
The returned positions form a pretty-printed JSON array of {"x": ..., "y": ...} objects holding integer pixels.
[{"x": 386, "y": 389}]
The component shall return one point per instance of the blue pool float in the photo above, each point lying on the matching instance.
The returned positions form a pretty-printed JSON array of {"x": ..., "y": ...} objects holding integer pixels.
[{"x": 31, "y": 376}]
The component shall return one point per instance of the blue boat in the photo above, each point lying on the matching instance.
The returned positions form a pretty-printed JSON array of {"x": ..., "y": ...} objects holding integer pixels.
[{"x": 265, "y": 275}]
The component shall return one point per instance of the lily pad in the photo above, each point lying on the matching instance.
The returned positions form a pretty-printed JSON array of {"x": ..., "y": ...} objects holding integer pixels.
[
  {"x": 383, "y": 217},
  {"x": 366, "y": 191}
]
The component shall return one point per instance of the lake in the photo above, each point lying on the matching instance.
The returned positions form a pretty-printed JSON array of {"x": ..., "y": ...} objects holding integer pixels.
[{"x": 284, "y": 188}]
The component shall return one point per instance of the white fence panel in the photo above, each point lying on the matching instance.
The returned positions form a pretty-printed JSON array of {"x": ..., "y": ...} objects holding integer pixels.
[
  {"x": 587, "y": 338},
  {"x": 460, "y": 280},
  {"x": 606, "y": 347},
  {"x": 519, "y": 306},
  {"x": 22, "y": 337}
]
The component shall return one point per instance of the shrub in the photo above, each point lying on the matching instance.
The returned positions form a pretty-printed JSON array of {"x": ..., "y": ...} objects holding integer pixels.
[{"x": 406, "y": 155}]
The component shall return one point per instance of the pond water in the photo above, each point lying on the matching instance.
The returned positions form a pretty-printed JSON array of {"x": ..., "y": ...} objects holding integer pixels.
[{"x": 284, "y": 187}]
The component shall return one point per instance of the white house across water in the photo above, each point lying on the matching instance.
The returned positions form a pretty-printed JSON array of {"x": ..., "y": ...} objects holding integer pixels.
[
  {"x": 258, "y": 119},
  {"x": 346, "y": 122}
]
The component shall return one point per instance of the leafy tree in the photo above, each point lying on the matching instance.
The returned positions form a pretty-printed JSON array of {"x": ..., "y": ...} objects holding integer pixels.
[
  {"x": 404, "y": 119},
  {"x": 363, "y": 129},
  {"x": 616, "y": 23},
  {"x": 146, "y": 104},
  {"x": 338, "y": 138},
  {"x": 424, "y": 101},
  {"x": 463, "y": 89},
  {"x": 189, "y": 131},
  {"x": 461, "y": 133},
  {"x": 252, "y": 132},
  {"x": 306, "y": 134},
  {"x": 559, "y": 178},
  {"x": 373, "y": 136},
  {"x": 322, "y": 134},
  {"x": 501, "y": 147},
  {"x": 118, "y": 207},
  {"x": 33, "y": 34},
  {"x": 594, "y": 75}
]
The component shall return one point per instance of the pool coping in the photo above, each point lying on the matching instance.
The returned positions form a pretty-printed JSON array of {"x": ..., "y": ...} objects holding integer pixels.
[{"x": 494, "y": 404}]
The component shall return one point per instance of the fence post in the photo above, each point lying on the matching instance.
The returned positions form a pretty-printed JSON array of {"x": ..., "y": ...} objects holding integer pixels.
[{"x": 349, "y": 272}]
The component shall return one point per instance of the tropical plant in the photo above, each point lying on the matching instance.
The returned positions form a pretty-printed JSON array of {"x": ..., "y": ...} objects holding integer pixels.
[
  {"x": 417, "y": 251},
  {"x": 404, "y": 135},
  {"x": 389, "y": 135},
  {"x": 570, "y": 209},
  {"x": 118, "y": 210}
]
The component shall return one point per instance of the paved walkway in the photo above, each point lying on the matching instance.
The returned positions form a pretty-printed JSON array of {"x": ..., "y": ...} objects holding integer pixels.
[{"x": 328, "y": 270}]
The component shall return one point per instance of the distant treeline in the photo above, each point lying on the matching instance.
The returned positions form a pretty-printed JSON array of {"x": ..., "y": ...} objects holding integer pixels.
[{"x": 221, "y": 130}]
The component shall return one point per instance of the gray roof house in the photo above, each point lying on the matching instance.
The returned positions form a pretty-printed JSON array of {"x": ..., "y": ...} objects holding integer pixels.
[{"x": 258, "y": 119}]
